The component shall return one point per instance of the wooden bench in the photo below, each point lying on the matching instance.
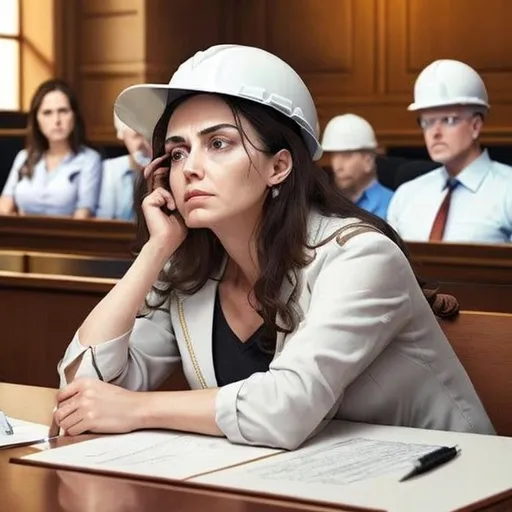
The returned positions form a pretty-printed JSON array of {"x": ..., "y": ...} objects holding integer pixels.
[
  {"x": 480, "y": 276},
  {"x": 483, "y": 343}
]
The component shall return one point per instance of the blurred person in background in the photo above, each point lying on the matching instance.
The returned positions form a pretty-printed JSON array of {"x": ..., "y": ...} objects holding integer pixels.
[
  {"x": 116, "y": 196},
  {"x": 57, "y": 173},
  {"x": 468, "y": 198},
  {"x": 352, "y": 145}
]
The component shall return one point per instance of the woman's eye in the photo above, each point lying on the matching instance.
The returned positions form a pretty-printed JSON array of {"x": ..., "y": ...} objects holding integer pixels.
[
  {"x": 177, "y": 155},
  {"x": 219, "y": 144}
]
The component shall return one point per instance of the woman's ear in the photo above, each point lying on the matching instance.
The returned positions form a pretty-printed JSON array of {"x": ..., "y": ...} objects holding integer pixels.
[{"x": 282, "y": 165}]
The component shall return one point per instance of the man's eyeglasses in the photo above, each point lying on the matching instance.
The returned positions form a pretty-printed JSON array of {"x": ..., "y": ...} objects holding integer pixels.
[{"x": 448, "y": 121}]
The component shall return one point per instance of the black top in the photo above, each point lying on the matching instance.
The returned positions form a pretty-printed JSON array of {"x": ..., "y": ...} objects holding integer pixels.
[{"x": 234, "y": 360}]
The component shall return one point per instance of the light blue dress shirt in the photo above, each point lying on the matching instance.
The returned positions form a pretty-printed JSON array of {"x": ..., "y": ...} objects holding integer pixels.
[
  {"x": 74, "y": 183},
  {"x": 375, "y": 199},
  {"x": 116, "y": 197},
  {"x": 480, "y": 208}
]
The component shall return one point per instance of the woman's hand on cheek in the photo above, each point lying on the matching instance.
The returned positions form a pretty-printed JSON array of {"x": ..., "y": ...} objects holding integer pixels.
[
  {"x": 90, "y": 405},
  {"x": 165, "y": 225}
]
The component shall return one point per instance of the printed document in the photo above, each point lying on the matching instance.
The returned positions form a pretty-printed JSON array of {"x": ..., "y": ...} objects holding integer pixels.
[
  {"x": 341, "y": 463},
  {"x": 160, "y": 454}
]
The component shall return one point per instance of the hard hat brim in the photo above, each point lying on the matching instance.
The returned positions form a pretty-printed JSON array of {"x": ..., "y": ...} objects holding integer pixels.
[
  {"x": 414, "y": 107},
  {"x": 333, "y": 148},
  {"x": 141, "y": 106}
]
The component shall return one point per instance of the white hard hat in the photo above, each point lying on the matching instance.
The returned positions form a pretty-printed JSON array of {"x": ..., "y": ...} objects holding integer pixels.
[
  {"x": 348, "y": 133},
  {"x": 449, "y": 82},
  {"x": 234, "y": 70}
]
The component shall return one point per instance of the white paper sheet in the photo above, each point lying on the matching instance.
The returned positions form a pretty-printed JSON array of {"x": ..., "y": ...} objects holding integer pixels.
[
  {"x": 342, "y": 463},
  {"x": 153, "y": 453},
  {"x": 24, "y": 432},
  {"x": 332, "y": 469}
]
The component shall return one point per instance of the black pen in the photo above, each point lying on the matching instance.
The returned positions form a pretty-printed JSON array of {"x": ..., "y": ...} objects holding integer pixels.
[{"x": 432, "y": 460}]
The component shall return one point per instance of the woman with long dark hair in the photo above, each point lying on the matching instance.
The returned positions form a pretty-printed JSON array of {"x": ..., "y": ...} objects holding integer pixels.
[
  {"x": 57, "y": 173},
  {"x": 285, "y": 304}
]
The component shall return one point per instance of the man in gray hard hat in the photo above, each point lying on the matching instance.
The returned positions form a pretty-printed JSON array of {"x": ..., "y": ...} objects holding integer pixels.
[{"x": 469, "y": 197}]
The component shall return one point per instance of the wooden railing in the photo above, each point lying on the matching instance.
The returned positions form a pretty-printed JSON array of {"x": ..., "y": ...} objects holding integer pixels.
[
  {"x": 480, "y": 276},
  {"x": 94, "y": 237}
]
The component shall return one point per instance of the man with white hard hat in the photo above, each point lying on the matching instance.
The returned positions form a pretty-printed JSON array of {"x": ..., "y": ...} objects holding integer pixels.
[
  {"x": 468, "y": 198},
  {"x": 352, "y": 145},
  {"x": 117, "y": 186}
]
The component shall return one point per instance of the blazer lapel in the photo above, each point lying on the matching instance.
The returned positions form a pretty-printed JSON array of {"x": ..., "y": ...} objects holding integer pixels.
[
  {"x": 195, "y": 315},
  {"x": 195, "y": 320}
]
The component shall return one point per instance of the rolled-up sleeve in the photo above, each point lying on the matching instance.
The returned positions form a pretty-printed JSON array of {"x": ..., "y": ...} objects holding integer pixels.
[
  {"x": 89, "y": 184},
  {"x": 359, "y": 302},
  {"x": 13, "y": 177},
  {"x": 139, "y": 360}
]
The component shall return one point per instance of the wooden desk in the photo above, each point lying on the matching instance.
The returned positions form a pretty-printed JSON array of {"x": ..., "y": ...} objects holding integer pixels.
[
  {"x": 94, "y": 237},
  {"x": 33, "y": 489},
  {"x": 480, "y": 276}
]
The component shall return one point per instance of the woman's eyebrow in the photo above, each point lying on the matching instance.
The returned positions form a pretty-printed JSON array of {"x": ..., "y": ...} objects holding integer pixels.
[{"x": 178, "y": 139}]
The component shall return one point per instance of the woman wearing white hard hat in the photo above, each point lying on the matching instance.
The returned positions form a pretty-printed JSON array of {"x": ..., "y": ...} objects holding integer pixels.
[
  {"x": 469, "y": 197},
  {"x": 351, "y": 144},
  {"x": 283, "y": 302}
]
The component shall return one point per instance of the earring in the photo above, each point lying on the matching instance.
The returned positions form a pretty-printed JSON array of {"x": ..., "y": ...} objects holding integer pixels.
[{"x": 275, "y": 191}]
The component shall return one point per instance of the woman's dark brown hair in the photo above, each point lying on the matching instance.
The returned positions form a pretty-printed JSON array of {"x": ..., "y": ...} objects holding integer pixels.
[
  {"x": 36, "y": 143},
  {"x": 282, "y": 232}
]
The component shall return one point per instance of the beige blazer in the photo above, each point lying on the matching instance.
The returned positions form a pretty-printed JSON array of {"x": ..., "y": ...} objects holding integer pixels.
[{"x": 368, "y": 349}]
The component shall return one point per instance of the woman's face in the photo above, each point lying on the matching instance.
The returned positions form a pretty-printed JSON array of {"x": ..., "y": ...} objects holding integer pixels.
[
  {"x": 55, "y": 117},
  {"x": 215, "y": 179}
]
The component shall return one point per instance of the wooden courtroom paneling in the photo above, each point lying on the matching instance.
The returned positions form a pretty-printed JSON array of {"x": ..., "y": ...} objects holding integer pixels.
[
  {"x": 176, "y": 29},
  {"x": 39, "y": 316},
  {"x": 361, "y": 56},
  {"x": 417, "y": 32},
  {"x": 110, "y": 56},
  {"x": 479, "y": 276},
  {"x": 323, "y": 41},
  {"x": 65, "y": 235}
]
